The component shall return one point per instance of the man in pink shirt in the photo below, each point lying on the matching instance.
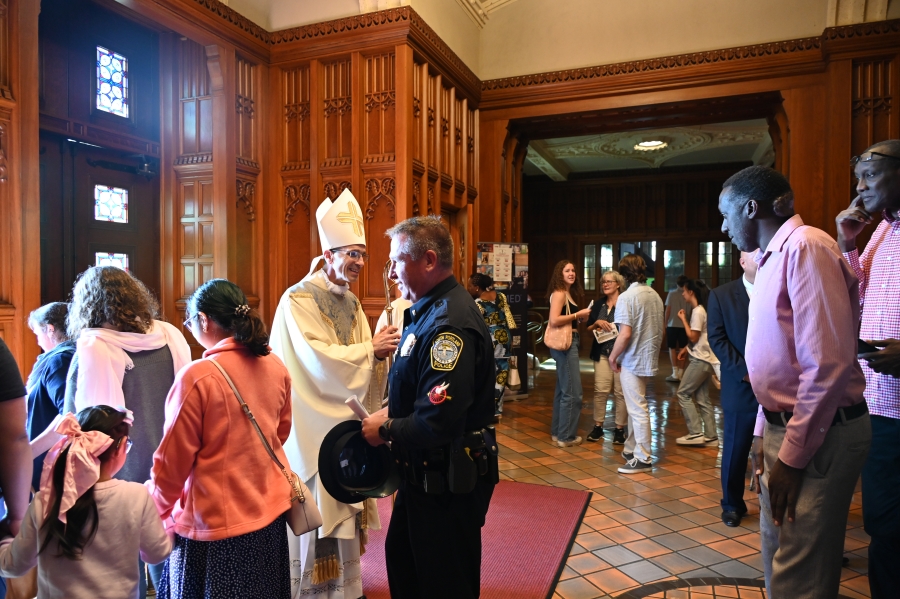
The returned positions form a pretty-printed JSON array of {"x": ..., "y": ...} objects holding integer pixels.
[
  {"x": 813, "y": 426},
  {"x": 878, "y": 268}
]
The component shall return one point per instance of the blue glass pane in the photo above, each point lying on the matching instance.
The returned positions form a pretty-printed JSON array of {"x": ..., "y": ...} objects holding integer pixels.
[
  {"x": 110, "y": 204},
  {"x": 112, "y": 82}
]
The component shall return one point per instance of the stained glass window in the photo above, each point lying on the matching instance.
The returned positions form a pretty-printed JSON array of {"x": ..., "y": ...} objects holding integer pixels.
[
  {"x": 112, "y": 82},
  {"x": 110, "y": 204},
  {"x": 111, "y": 259}
]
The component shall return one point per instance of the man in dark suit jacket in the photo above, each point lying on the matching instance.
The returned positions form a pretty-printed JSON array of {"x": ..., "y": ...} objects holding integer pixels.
[{"x": 727, "y": 328}]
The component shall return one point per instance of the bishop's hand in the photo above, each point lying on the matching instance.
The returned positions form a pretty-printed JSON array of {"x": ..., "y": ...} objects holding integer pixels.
[{"x": 386, "y": 341}]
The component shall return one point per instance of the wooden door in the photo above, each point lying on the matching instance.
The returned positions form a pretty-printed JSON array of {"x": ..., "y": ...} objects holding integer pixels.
[{"x": 96, "y": 209}]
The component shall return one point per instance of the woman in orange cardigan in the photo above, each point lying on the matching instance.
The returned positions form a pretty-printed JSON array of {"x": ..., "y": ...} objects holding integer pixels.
[{"x": 211, "y": 473}]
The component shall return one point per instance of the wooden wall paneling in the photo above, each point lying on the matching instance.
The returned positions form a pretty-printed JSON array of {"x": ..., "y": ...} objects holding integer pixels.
[
  {"x": 405, "y": 136},
  {"x": 20, "y": 272},
  {"x": 248, "y": 190},
  {"x": 805, "y": 108},
  {"x": 875, "y": 99},
  {"x": 444, "y": 191},
  {"x": 221, "y": 62},
  {"x": 380, "y": 109},
  {"x": 296, "y": 221}
]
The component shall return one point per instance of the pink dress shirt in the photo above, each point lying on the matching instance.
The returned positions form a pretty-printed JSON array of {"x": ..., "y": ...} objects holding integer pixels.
[
  {"x": 878, "y": 270},
  {"x": 801, "y": 342}
]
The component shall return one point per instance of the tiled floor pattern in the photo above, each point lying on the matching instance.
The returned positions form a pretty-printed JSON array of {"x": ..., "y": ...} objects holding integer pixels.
[{"x": 649, "y": 527}]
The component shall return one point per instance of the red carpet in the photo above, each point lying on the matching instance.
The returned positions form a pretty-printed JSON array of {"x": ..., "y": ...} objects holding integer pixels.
[{"x": 528, "y": 534}]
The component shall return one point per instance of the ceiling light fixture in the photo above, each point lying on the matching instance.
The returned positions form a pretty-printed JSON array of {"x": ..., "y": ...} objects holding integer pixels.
[{"x": 650, "y": 145}]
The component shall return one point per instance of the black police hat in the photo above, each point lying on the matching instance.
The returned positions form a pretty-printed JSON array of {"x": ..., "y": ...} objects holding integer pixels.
[{"x": 352, "y": 470}]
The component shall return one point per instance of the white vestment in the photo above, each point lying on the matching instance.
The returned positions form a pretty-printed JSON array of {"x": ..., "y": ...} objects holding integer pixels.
[{"x": 325, "y": 342}]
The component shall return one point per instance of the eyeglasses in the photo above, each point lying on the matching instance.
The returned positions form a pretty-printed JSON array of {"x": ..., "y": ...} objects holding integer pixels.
[
  {"x": 128, "y": 443},
  {"x": 187, "y": 323},
  {"x": 607, "y": 282},
  {"x": 871, "y": 157},
  {"x": 355, "y": 255}
]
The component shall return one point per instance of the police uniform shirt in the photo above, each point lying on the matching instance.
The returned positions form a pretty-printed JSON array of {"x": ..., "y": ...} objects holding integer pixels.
[{"x": 442, "y": 381}]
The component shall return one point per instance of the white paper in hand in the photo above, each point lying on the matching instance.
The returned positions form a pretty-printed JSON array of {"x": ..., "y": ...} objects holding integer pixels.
[
  {"x": 357, "y": 407},
  {"x": 603, "y": 336}
]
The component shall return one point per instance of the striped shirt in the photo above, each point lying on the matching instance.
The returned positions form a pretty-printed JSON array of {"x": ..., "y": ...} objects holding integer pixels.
[
  {"x": 878, "y": 270},
  {"x": 801, "y": 342}
]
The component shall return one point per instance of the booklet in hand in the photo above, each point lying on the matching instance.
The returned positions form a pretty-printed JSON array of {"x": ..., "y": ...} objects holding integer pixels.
[{"x": 603, "y": 336}]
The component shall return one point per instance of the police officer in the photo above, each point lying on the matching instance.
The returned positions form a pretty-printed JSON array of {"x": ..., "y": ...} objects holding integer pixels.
[{"x": 440, "y": 405}]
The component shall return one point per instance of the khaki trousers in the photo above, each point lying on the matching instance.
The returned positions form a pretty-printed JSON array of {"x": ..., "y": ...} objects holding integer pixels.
[
  {"x": 605, "y": 382},
  {"x": 802, "y": 559}
]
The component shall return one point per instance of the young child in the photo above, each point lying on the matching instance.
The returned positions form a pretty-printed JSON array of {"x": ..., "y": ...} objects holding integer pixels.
[{"x": 84, "y": 529}]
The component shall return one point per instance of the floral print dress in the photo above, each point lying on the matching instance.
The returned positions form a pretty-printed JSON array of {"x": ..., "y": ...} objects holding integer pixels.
[{"x": 499, "y": 321}]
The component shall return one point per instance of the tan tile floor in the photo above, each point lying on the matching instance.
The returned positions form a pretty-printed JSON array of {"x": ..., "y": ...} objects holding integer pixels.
[{"x": 644, "y": 528}]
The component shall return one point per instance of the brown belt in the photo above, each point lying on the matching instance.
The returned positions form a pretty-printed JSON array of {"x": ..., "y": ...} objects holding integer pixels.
[{"x": 842, "y": 415}]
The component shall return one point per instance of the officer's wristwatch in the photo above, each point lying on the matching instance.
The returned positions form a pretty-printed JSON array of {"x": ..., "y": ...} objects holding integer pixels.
[{"x": 384, "y": 431}]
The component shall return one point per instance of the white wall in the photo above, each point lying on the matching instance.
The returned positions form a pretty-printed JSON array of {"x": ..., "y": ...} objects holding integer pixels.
[
  {"x": 535, "y": 36},
  {"x": 522, "y": 37}
]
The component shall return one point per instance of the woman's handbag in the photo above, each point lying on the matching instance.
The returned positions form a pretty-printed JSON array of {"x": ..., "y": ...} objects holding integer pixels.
[
  {"x": 559, "y": 337},
  {"x": 304, "y": 514}
]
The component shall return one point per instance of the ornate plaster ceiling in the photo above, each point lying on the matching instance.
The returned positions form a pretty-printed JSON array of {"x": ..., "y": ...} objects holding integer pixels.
[{"x": 704, "y": 144}]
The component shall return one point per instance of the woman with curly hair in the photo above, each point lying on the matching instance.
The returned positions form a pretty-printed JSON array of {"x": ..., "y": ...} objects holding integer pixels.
[
  {"x": 124, "y": 357},
  {"x": 212, "y": 473},
  {"x": 499, "y": 320},
  {"x": 564, "y": 311}
]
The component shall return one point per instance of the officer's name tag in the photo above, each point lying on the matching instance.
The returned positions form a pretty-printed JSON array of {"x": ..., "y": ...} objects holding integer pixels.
[
  {"x": 408, "y": 344},
  {"x": 445, "y": 351}
]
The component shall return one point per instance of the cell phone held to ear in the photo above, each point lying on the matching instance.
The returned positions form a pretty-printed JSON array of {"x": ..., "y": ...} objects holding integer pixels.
[{"x": 863, "y": 347}]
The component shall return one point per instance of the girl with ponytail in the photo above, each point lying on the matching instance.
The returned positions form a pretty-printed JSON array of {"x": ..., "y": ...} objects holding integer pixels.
[
  {"x": 211, "y": 472},
  {"x": 699, "y": 372},
  {"x": 84, "y": 529}
]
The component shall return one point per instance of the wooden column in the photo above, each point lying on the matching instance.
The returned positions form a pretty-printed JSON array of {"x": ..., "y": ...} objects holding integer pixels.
[{"x": 20, "y": 269}]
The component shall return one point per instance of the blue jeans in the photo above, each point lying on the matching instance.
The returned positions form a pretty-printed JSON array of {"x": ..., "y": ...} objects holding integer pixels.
[{"x": 567, "y": 397}]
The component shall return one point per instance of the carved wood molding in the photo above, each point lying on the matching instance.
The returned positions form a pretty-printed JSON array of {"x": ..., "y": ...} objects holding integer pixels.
[
  {"x": 3, "y": 164},
  {"x": 99, "y": 135},
  {"x": 378, "y": 189},
  {"x": 236, "y": 19},
  {"x": 244, "y": 105},
  {"x": 193, "y": 159},
  {"x": 332, "y": 189},
  {"x": 295, "y": 196},
  {"x": 245, "y": 192},
  {"x": 382, "y": 100},
  {"x": 299, "y": 111},
  {"x": 417, "y": 191},
  {"x": 341, "y": 105},
  {"x": 861, "y": 30},
  {"x": 655, "y": 64}
]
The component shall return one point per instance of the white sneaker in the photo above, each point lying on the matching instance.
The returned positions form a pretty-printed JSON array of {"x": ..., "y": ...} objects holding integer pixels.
[
  {"x": 711, "y": 441},
  {"x": 635, "y": 466},
  {"x": 673, "y": 378},
  {"x": 554, "y": 438},
  {"x": 573, "y": 442},
  {"x": 690, "y": 439}
]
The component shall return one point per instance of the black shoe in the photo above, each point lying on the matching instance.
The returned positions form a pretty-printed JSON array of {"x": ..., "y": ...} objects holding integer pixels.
[
  {"x": 596, "y": 434},
  {"x": 619, "y": 436},
  {"x": 845, "y": 561},
  {"x": 732, "y": 518}
]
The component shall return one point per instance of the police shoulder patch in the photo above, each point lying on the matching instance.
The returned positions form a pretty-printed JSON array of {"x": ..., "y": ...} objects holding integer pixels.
[{"x": 445, "y": 350}]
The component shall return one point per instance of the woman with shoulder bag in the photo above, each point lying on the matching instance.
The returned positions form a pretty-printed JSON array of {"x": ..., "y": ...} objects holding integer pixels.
[
  {"x": 212, "y": 473},
  {"x": 564, "y": 313}
]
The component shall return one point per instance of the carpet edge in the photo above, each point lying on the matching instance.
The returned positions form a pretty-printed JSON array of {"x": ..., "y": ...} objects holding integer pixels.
[{"x": 562, "y": 564}]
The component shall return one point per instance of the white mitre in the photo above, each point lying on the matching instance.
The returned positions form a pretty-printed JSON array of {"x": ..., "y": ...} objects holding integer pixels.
[{"x": 340, "y": 224}]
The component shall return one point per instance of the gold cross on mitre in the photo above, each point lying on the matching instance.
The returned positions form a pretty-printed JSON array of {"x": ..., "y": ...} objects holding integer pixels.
[{"x": 353, "y": 217}]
